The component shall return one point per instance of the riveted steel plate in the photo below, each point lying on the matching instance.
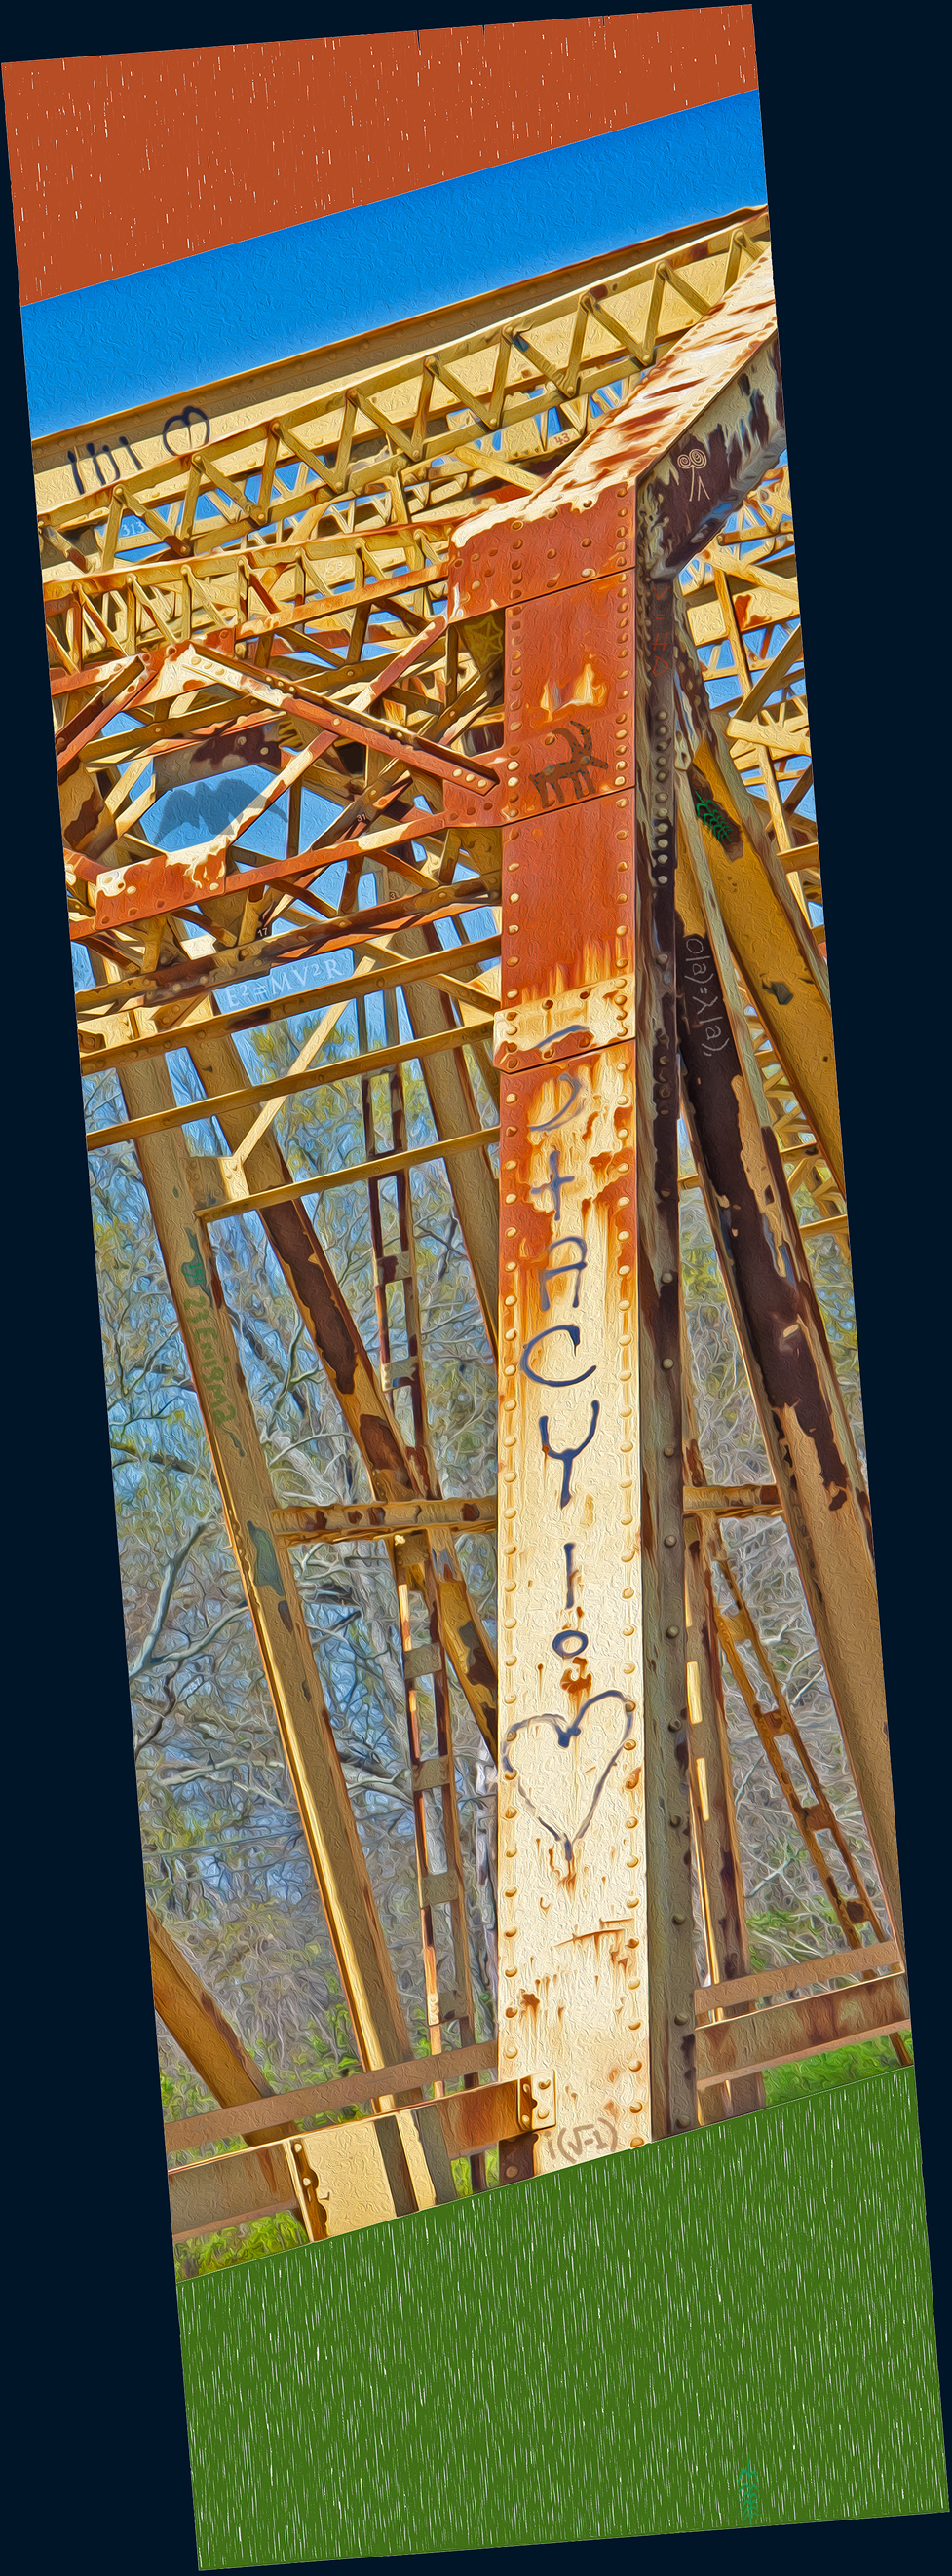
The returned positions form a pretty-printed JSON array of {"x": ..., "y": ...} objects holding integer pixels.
[
  {"x": 143, "y": 888},
  {"x": 465, "y": 803},
  {"x": 572, "y": 1888},
  {"x": 568, "y": 895},
  {"x": 565, "y": 1024},
  {"x": 520, "y": 557},
  {"x": 569, "y": 697}
]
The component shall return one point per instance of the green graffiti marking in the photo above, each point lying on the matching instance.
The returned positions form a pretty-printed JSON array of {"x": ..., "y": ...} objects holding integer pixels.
[
  {"x": 267, "y": 1569},
  {"x": 749, "y": 2496},
  {"x": 718, "y": 823},
  {"x": 206, "y": 1344},
  {"x": 194, "y": 1270}
]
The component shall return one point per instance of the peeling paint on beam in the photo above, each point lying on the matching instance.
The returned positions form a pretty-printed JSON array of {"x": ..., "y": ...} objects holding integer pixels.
[{"x": 773, "y": 1301}]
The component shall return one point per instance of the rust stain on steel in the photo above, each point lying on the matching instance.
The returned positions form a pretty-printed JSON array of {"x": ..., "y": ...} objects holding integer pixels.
[
  {"x": 145, "y": 887},
  {"x": 284, "y": 1641},
  {"x": 81, "y": 807},
  {"x": 780, "y": 2033},
  {"x": 770, "y": 941},
  {"x": 141, "y": 889},
  {"x": 480, "y": 1669},
  {"x": 571, "y": 1765},
  {"x": 715, "y": 1836},
  {"x": 569, "y": 732},
  {"x": 217, "y": 1062},
  {"x": 570, "y": 1103},
  {"x": 383, "y": 1452},
  {"x": 332, "y": 1329},
  {"x": 765, "y": 1252},
  {"x": 465, "y": 803},
  {"x": 551, "y": 946},
  {"x": 522, "y": 553},
  {"x": 792, "y": 1377},
  {"x": 718, "y": 459},
  {"x": 394, "y": 1474},
  {"x": 732, "y": 341},
  {"x": 648, "y": 483},
  {"x": 131, "y": 683},
  {"x": 667, "y": 1815}
]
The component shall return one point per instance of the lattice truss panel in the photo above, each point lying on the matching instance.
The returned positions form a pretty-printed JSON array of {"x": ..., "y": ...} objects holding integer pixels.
[{"x": 288, "y": 746}]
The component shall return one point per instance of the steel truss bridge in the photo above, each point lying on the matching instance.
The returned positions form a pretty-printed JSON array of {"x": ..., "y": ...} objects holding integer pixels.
[{"x": 512, "y": 589}]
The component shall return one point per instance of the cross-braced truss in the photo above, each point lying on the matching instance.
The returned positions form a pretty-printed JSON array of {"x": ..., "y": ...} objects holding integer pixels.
[{"x": 496, "y": 843}]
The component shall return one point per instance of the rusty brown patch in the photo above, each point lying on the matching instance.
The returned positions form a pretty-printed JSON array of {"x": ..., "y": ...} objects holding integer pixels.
[
  {"x": 478, "y": 1667},
  {"x": 577, "y": 1687},
  {"x": 382, "y": 1451},
  {"x": 774, "y": 1289}
]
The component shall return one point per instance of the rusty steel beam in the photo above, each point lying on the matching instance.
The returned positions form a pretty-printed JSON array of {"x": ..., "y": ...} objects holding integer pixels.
[
  {"x": 588, "y": 1165},
  {"x": 200, "y": 2028},
  {"x": 344, "y": 2182},
  {"x": 353, "y": 2188},
  {"x": 570, "y": 1803},
  {"x": 471, "y": 1179},
  {"x": 574, "y": 581},
  {"x": 713, "y": 1812},
  {"x": 229, "y": 2194},
  {"x": 283, "y": 1639},
  {"x": 333, "y": 1521},
  {"x": 668, "y": 1784},
  {"x": 336, "y": 2093},
  {"x": 780, "y": 1329},
  {"x": 206, "y": 2038},
  {"x": 174, "y": 1002},
  {"x": 327, "y": 1319},
  {"x": 799, "y": 1974},
  {"x": 771, "y": 942},
  {"x": 732, "y": 1502},
  {"x": 782, "y": 2033},
  {"x": 468, "y": 2120}
]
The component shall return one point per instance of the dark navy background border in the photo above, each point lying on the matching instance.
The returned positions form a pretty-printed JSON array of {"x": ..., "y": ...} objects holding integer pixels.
[{"x": 99, "y": 2461}]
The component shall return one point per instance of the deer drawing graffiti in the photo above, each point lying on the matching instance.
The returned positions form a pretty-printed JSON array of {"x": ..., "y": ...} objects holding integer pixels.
[{"x": 575, "y": 772}]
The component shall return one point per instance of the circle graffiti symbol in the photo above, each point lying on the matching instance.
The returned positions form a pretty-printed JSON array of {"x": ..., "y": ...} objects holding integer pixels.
[
  {"x": 594, "y": 2138},
  {"x": 183, "y": 420}
]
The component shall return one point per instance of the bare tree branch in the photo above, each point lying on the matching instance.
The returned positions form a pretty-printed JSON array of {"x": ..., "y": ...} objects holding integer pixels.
[{"x": 147, "y": 1656}]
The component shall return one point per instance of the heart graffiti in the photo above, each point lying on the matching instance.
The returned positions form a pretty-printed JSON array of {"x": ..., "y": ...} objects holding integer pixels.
[{"x": 560, "y": 1784}]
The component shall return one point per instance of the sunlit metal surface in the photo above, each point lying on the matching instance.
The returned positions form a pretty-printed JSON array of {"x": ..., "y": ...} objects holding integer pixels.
[{"x": 445, "y": 698}]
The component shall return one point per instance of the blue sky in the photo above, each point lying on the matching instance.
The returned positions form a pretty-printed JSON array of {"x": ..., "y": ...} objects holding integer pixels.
[{"x": 170, "y": 329}]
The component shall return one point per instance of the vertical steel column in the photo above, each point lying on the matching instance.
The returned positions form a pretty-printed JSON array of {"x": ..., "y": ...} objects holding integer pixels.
[
  {"x": 595, "y": 1954},
  {"x": 667, "y": 1767},
  {"x": 713, "y": 1813},
  {"x": 781, "y": 1334}
]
